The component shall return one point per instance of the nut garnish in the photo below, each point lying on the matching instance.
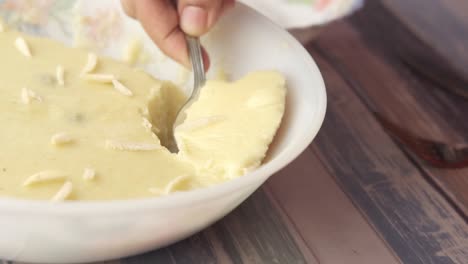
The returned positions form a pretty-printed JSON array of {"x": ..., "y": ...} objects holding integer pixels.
[
  {"x": 28, "y": 95},
  {"x": 60, "y": 75},
  {"x": 63, "y": 193},
  {"x": 171, "y": 186},
  {"x": 44, "y": 176},
  {"x": 147, "y": 124},
  {"x": 23, "y": 47},
  {"x": 61, "y": 139},
  {"x": 89, "y": 174},
  {"x": 99, "y": 77},
  {"x": 131, "y": 146},
  {"x": 121, "y": 88},
  {"x": 91, "y": 64}
]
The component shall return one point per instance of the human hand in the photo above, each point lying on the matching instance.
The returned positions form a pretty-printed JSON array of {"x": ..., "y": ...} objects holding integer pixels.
[{"x": 165, "y": 23}]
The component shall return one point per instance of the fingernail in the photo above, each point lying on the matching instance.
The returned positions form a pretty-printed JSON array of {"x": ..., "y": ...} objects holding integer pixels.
[{"x": 194, "y": 20}]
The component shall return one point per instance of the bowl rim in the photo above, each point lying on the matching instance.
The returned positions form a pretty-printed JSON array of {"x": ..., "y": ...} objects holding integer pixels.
[{"x": 199, "y": 195}]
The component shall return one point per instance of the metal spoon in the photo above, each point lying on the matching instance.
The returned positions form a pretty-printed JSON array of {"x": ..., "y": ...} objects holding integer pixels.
[{"x": 195, "y": 53}]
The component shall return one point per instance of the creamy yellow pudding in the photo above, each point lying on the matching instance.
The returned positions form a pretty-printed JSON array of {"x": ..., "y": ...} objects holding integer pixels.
[{"x": 74, "y": 126}]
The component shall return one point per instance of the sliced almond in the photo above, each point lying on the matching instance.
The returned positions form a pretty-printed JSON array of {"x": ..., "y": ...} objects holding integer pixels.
[
  {"x": 131, "y": 146},
  {"x": 147, "y": 124},
  {"x": 2, "y": 27},
  {"x": 91, "y": 64},
  {"x": 99, "y": 77},
  {"x": 199, "y": 123},
  {"x": 63, "y": 193},
  {"x": 171, "y": 186},
  {"x": 175, "y": 183},
  {"x": 44, "y": 176},
  {"x": 251, "y": 168},
  {"x": 60, "y": 75},
  {"x": 132, "y": 51},
  {"x": 89, "y": 174},
  {"x": 23, "y": 47},
  {"x": 61, "y": 139},
  {"x": 27, "y": 96},
  {"x": 121, "y": 88}
]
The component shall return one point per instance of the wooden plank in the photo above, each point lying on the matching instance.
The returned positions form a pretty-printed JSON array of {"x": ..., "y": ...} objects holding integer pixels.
[
  {"x": 404, "y": 48},
  {"x": 310, "y": 256},
  {"x": 307, "y": 253},
  {"x": 443, "y": 24},
  {"x": 196, "y": 249},
  {"x": 404, "y": 100},
  {"x": 440, "y": 58},
  {"x": 256, "y": 233},
  {"x": 414, "y": 219},
  {"x": 324, "y": 216},
  {"x": 157, "y": 256},
  {"x": 253, "y": 233}
]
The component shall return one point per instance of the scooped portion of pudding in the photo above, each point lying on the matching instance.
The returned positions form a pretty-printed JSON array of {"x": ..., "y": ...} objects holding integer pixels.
[
  {"x": 74, "y": 126},
  {"x": 227, "y": 131}
]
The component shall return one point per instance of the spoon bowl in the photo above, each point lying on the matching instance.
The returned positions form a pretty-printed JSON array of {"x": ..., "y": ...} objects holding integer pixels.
[{"x": 196, "y": 57}]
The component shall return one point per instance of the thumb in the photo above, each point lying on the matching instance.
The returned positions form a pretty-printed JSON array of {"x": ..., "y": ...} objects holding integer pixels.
[{"x": 198, "y": 16}]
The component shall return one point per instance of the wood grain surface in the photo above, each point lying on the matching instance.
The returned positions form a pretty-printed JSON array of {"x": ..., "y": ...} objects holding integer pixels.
[
  {"x": 424, "y": 106},
  {"x": 253, "y": 233},
  {"x": 414, "y": 219},
  {"x": 405, "y": 100},
  {"x": 326, "y": 219},
  {"x": 356, "y": 195}
]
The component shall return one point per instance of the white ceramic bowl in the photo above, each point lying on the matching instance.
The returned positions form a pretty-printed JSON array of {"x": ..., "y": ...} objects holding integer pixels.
[{"x": 36, "y": 231}]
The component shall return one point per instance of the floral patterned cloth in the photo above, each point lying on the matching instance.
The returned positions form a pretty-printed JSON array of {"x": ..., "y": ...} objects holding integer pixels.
[
  {"x": 38, "y": 15},
  {"x": 103, "y": 27},
  {"x": 304, "y": 13}
]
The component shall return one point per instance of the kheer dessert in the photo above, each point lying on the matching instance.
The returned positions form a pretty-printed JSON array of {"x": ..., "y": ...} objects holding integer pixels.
[{"x": 74, "y": 126}]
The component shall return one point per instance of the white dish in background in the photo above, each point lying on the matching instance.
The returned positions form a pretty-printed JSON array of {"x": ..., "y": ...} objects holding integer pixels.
[
  {"x": 304, "y": 19},
  {"x": 244, "y": 41}
]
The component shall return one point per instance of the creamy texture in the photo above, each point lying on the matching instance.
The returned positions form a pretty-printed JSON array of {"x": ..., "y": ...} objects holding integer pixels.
[
  {"x": 71, "y": 130},
  {"x": 228, "y": 129}
]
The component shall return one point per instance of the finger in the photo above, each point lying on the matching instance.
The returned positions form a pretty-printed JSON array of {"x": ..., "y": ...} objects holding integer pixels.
[
  {"x": 161, "y": 21},
  {"x": 128, "y": 7},
  {"x": 198, "y": 16},
  {"x": 227, "y": 4}
]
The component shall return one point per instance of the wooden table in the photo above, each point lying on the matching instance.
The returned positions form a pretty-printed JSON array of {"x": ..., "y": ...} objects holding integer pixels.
[{"x": 357, "y": 195}]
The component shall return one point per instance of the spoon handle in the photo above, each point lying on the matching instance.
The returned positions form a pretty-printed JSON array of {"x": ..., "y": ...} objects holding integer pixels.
[{"x": 196, "y": 57}]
